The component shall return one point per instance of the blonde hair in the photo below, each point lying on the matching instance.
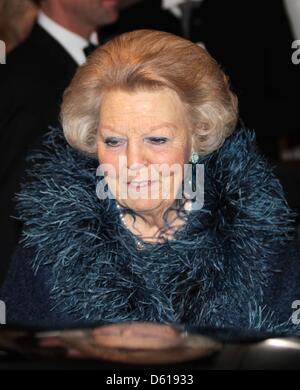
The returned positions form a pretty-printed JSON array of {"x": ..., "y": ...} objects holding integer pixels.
[{"x": 149, "y": 59}]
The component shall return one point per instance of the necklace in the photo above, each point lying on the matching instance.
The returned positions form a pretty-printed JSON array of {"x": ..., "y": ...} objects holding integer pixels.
[{"x": 140, "y": 244}]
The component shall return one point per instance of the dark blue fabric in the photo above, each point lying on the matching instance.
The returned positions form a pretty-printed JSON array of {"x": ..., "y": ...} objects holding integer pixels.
[
  {"x": 28, "y": 300},
  {"x": 27, "y": 296},
  {"x": 235, "y": 264}
]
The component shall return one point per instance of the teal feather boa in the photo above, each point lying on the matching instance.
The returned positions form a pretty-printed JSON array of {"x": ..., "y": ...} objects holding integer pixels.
[{"x": 217, "y": 272}]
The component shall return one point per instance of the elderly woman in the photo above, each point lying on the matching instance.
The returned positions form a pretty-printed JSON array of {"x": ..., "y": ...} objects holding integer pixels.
[{"x": 134, "y": 240}]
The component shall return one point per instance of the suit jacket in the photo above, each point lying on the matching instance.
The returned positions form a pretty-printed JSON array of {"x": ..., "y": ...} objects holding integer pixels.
[
  {"x": 144, "y": 14},
  {"x": 32, "y": 84}
]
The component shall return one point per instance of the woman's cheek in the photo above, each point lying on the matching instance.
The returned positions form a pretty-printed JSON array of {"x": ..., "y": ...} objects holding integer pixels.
[
  {"x": 165, "y": 154},
  {"x": 108, "y": 157}
]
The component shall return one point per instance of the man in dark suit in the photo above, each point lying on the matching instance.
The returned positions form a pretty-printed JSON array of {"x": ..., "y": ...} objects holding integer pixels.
[{"x": 32, "y": 84}]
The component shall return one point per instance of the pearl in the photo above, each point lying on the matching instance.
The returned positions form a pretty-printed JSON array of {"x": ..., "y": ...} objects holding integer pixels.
[{"x": 139, "y": 243}]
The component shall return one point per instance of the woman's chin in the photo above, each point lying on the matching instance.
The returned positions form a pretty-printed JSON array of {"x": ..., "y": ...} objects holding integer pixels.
[{"x": 143, "y": 205}]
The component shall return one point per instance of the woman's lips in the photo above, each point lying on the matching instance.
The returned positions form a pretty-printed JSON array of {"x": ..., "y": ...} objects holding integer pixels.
[{"x": 140, "y": 184}]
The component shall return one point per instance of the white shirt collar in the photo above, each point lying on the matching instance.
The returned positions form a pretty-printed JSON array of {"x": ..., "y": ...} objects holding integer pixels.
[
  {"x": 174, "y": 6},
  {"x": 71, "y": 42}
]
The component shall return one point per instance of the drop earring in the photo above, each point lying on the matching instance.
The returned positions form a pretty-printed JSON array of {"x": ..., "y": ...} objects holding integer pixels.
[{"x": 194, "y": 159}]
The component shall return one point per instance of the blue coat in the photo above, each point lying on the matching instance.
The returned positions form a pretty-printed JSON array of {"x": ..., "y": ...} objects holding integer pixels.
[{"x": 235, "y": 264}]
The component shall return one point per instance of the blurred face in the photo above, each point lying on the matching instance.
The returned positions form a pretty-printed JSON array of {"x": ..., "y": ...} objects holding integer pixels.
[
  {"x": 28, "y": 18},
  {"x": 94, "y": 12},
  {"x": 143, "y": 143}
]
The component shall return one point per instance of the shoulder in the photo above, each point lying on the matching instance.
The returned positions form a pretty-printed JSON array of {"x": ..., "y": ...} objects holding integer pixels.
[
  {"x": 242, "y": 185},
  {"x": 39, "y": 48},
  {"x": 283, "y": 287},
  {"x": 38, "y": 62},
  {"x": 236, "y": 151},
  {"x": 249, "y": 209}
]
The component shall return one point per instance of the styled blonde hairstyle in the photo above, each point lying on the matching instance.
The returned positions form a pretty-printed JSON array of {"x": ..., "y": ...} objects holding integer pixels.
[{"x": 151, "y": 60}]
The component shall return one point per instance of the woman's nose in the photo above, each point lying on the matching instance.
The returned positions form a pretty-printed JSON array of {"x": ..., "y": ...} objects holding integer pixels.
[{"x": 136, "y": 157}]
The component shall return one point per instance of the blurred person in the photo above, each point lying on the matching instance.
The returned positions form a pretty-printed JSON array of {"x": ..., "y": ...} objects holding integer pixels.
[
  {"x": 293, "y": 11},
  {"x": 147, "y": 106},
  {"x": 144, "y": 14},
  {"x": 183, "y": 10},
  {"x": 16, "y": 21},
  {"x": 32, "y": 83}
]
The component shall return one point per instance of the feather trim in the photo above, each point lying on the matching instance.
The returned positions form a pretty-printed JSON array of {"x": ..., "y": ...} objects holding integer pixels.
[{"x": 218, "y": 263}]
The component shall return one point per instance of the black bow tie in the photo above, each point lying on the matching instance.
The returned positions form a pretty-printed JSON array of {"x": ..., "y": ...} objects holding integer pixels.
[{"x": 89, "y": 49}]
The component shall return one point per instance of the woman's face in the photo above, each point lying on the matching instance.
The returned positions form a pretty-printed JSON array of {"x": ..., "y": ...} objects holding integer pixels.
[{"x": 138, "y": 132}]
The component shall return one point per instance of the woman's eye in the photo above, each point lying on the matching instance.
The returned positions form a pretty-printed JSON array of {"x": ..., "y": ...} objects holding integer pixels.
[
  {"x": 113, "y": 142},
  {"x": 158, "y": 140}
]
